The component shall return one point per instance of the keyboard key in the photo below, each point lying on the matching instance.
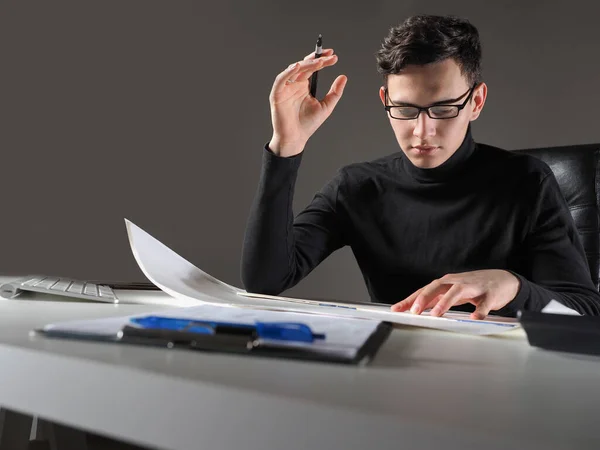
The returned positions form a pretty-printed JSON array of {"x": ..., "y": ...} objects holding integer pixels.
[
  {"x": 62, "y": 285},
  {"x": 90, "y": 289},
  {"x": 32, "y": 281},
  {"x": 105, "y": 291},
  {"x": 76, "y": 287},
  {"x": 47, "y": 283}
]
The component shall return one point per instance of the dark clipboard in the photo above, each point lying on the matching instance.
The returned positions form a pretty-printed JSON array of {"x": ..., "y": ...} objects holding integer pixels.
[
  {"x": 563, "y": 333},
  {"x": 209, "y": 344}
]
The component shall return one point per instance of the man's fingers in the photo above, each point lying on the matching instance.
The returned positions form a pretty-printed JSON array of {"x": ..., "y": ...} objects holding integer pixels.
[
  {"x": 446, "y": 301},
  {"x": 288, "y": 74},
  {"x": 430, "y": 292},
  {"x": 311, "y": 66},
  {"x": 302, "y": 70},
  {"x": 292, "y": 71},
  {"x": 326, "y": 52},
  {"x": 407, "y": 302},
  {"x": 335, "y": 93},
  {"x": 405, "y": 305},
  {"x": 481, "y": 311}
]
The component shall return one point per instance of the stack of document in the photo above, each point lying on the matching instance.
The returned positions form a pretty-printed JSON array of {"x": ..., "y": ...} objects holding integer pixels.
[{"x": 192, "y": 286}]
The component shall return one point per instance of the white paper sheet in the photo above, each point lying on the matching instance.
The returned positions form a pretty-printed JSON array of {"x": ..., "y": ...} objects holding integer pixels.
[
  {"x": 343, "y": 337},
  {"x": 554, "y": 307},
  {"x": 181, "y": 279}
]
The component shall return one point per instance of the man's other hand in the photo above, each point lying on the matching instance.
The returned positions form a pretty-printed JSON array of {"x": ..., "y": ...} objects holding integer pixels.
[{"x": 488, "y": 290}]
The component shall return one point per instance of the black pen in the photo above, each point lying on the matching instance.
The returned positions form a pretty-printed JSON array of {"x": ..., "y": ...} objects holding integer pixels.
[{"x": 314, "y": 77}]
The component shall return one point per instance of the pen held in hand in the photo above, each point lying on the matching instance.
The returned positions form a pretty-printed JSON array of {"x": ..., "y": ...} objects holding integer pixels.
[{"x": 315, "y": 76}]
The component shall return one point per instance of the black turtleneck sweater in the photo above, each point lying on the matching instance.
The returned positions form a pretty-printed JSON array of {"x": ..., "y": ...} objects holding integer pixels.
[{"x": 484, "y": 208}]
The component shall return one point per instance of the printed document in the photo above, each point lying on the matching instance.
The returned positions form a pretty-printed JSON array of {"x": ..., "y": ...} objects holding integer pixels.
[{"x": 191, "y": 285}]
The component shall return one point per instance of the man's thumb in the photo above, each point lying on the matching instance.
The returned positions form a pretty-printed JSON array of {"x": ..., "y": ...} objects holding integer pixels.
[{"x": 335, "y": 93}]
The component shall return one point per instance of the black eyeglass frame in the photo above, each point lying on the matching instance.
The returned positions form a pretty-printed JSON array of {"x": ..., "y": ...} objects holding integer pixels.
[{"x": 426, "y": 108}]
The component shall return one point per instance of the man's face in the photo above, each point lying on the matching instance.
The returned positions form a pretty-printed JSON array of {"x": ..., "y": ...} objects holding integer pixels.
[{"x": 430, "y": 142}]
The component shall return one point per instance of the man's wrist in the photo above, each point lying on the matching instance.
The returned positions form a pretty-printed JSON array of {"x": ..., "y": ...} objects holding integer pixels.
[
  {"x": 515, "y": 285},
  {"x": 283, "y": 150}
]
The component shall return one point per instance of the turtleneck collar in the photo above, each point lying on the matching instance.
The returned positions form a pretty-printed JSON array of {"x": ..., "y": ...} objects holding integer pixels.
[{"x": 448, "y": 169}]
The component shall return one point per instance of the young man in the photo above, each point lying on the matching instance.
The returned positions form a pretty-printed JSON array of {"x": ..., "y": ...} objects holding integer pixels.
[{"x": 444, "y": 222}]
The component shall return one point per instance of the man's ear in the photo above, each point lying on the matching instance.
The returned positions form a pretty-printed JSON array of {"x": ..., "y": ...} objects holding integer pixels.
[
  {"x": 478, "y": 99},
  {"x": 382, "y": 95}
]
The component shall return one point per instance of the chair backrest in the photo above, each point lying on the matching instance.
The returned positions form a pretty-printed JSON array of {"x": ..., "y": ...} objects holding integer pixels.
[{"x": 577, "y": 171}]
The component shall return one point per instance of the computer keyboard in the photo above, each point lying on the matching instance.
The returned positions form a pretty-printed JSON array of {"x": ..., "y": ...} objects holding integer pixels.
[{"x": 59, "y": 286}]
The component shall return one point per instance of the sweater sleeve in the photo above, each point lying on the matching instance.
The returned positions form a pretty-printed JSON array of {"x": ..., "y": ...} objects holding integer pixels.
[
  {"x": 554, "y": 265},
  {"x": 278, "y": 250}
]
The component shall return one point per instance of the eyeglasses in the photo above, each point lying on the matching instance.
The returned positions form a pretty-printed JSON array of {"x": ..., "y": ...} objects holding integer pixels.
[{"x": 410, "y": 112}]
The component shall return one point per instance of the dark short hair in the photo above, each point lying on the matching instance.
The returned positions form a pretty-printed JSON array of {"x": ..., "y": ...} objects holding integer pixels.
[{"x": 426, "y": 39}]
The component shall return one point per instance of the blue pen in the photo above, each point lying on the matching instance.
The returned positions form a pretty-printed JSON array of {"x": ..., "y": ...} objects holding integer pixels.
[{"x": 279, "y": 331}]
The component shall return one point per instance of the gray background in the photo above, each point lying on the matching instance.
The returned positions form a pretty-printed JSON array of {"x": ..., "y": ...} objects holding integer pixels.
[{"x": 158, "y": 111}]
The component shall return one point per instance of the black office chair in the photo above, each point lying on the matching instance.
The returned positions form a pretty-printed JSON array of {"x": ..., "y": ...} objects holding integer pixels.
[{"x": 577, "y": 171}]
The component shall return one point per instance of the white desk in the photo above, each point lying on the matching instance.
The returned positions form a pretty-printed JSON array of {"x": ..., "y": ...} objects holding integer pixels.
[{"x": 424, "y": 390}]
